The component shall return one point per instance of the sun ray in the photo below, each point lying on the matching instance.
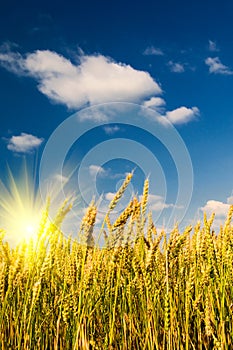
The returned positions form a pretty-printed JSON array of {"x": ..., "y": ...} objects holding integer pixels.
[{"x": 20, "y": 206}]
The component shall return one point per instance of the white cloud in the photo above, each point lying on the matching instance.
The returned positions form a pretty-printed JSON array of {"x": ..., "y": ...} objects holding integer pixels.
[
  {"x": 176, "y": 67},
  {"x": 157, "y": 203},
  {"x": 154, "y": 102},
  {"x": 182, "y": 115},
  {"x": 110, "y": 130},
  {"x": 151, "y": 50},
  {"x": 219, "y": 208},
  {"x": 213, "y": 46},
  {"x": 216, "y": 66},
  {"x": 24, "y": 143},
  {"x": 95, "y": 79},
  {"x": 96, "y": 169},
  {"x": 152, "y": 198}
]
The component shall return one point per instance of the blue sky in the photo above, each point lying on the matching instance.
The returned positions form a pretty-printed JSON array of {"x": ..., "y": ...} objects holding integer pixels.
[{"x": 175, "y": 58}]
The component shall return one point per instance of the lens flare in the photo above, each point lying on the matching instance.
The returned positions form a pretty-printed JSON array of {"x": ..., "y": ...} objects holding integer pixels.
[{"x": 20, "y": 207}]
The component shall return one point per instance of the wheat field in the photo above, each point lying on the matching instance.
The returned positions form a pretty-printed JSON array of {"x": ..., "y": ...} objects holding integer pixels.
[{"x": 143, "y": 290}]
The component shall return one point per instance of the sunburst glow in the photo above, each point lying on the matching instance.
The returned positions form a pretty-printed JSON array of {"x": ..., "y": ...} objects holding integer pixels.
[{"x": 20, "y": 207}]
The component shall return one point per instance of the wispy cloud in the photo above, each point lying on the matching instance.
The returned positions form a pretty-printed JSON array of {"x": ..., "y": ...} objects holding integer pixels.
[
  {"x": 217, "y": 67},
  {"x": 182, "y": 115},
  {"x": 213, "y": 46},
  {"x": 95, "y": 79},
  {"x": 110, "y": 130},
  {"x": 157, "y": 203},
  {"x": 24, "y": 143},
  {"x": 95, "y": 115},
  {"x": 61, "y": 178},
  {"x": 176, "y": 67},
  {"x": 153, "y": 51},
  {"x": 109, "y": 195},
  {"x": 96, "y": 169}
]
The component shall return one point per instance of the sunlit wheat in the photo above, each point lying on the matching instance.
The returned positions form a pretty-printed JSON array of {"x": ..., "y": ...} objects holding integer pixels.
[{"x": 142, "y": 290}]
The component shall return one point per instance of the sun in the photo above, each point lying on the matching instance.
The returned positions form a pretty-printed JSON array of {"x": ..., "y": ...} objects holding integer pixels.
[
  {"x": 25, "y": 223},
  {"x": 20, "y": 207}
]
